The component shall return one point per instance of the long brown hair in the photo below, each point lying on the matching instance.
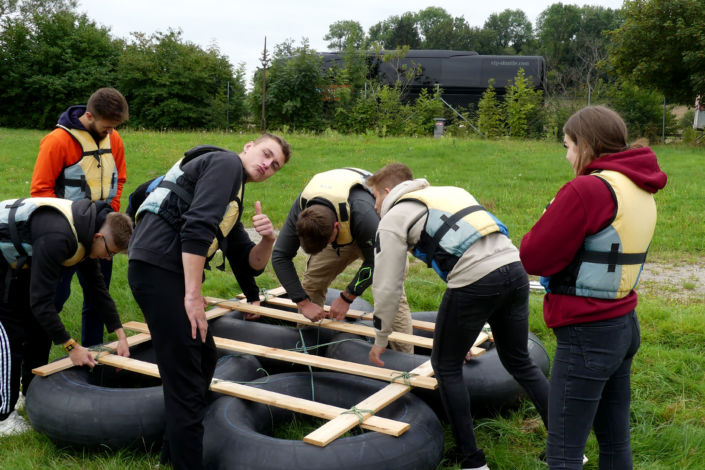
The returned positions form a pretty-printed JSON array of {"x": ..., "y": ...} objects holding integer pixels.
[{"x": 597, "y": 131}]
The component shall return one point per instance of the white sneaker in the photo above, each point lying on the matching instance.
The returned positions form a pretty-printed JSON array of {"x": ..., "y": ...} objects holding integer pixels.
[
  {"x": 14, "y": 424},
  {"x": 484, "y": 467},
  {"x": 585, "y": 459},
  {"x": 20, "y": 402}
]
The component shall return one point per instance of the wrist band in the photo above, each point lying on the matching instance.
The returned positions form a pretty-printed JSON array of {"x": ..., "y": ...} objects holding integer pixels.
[{"x": 342, "y": 296}]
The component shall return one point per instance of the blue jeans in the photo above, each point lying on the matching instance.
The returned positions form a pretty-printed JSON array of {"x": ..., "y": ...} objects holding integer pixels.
[
  {"x": 590, "y": 388},
  {"x": 502, "y": 299}
]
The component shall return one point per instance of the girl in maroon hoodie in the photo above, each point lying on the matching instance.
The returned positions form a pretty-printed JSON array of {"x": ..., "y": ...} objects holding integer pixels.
[{"x": 589, "y": 246}]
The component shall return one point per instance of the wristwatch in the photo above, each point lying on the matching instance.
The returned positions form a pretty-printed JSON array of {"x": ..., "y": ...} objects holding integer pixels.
[{"x": 70, "y": 344}]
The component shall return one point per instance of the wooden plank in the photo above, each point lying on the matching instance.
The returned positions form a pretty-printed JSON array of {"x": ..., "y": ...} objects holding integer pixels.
[
  {"x": 325, "y": 323},
  {"x": 375, "y": 402},
  {"x": 300, "y": 405},
  {"x": 475, "y": 350},
  {"x": 65, "y": 363},
  {"x": 337, "y": 365},
  {"x": 276, "y": 292},
  {"x": 352, "y": 313},
  {"x": 312, "y": 408}
]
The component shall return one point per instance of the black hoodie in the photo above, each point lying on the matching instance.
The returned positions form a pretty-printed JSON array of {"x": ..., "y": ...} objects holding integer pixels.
[{"x": 53, "y": 242}]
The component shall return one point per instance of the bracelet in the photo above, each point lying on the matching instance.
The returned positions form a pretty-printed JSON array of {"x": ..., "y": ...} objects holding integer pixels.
[
  {"x": 70, "y": 344},
  {"x": 342, "y": 296}
]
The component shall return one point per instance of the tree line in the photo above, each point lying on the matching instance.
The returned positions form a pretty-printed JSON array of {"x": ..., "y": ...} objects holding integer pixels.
[{"x": 52, "y": 56}]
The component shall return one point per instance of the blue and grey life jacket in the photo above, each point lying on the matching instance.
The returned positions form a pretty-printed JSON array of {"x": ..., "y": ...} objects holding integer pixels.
[
  {"x": 174, "y": 193},
  {"x": 15, "y": 236},
  {"x": 609, "y": 263},
  {"x": 455, "y": 221}
]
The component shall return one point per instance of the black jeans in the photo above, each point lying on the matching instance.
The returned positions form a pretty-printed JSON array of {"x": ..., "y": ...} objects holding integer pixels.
[
  {"x": 590, "y": 388},
  {"x": 91, "y": 322},
  {"x": 28, "y": 343},
  {"x": 501, "y": 298},
  {"x": 186, "y": 365}
]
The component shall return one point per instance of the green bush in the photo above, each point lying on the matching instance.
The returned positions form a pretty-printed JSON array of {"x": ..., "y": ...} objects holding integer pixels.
[
  {"x": 424, "y": 110},
  {"x": 490, "y": 120},
  {"x": 523, "y": 108}
]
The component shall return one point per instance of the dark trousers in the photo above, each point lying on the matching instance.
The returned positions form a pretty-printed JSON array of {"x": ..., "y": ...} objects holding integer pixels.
[
  {"x": 501, "y": 298},
  {"x": 28, "y": 343},
  {"x": 91, "y": 322},
  {"x": 92, "y": 325},
  {"x": 186, "y": 365},
  {"x": 590, "y": 388}
]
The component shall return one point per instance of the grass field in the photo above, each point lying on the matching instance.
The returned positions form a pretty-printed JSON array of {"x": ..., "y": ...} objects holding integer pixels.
[{"x": 514, "y": 179}]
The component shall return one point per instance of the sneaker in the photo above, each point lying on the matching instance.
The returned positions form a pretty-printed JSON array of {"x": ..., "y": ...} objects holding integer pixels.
[
  {"x": 20, "y": 402},
  {"x": 14, "y": 424},
  {"x": 484, "y": 467},
  {"x": 585, "y": 459}
]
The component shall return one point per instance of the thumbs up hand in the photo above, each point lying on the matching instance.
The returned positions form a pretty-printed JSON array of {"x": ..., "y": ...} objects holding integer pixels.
[{"x": 261, "y": 222}]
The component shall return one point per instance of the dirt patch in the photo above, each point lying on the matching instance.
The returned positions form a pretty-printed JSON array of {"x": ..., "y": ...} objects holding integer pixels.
[
  {"x": 681, "y": 281},
  {"x": 674, "y": 281}
]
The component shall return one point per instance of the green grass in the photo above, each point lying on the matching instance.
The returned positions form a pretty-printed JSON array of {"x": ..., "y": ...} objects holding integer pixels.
[{"x": 515, "y": 180}]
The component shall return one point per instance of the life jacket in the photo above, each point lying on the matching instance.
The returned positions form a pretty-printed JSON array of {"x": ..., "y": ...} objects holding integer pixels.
[
  {"x": 182, "y": 187},
  {"x": 609, "y": 263},
  {"x": 15, "y": 236},
  {"x": 92, "y": 177},
  {"x": 455, "y": 221},
  {"x": 332, "y": 189}
]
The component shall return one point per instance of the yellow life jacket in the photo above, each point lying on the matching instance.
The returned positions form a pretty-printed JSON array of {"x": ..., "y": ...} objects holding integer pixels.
[
  {"x": 175, "y": 182},
  {"x": 15, "y": 242},
  {"x": 610, "y": 262},
  {"x": 92, "y": 177},
  {"x": 332, "y": 188},
  {"x": 455, "y": 221}
]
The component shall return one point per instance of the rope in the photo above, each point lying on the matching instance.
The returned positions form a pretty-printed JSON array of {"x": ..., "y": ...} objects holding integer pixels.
[
  {"x": 358, "y": 412},
  {"x": 406, "y": 377},
  {"x": 310, "y": 369}
]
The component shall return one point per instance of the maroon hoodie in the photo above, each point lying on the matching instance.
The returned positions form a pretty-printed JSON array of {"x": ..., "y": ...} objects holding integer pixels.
[{"x": 583, "y": 207}]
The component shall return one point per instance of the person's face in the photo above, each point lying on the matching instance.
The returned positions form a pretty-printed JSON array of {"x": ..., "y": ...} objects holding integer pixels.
[
  {"x": 571, "y": 150},
  {"x": 262, "y": 159},
  {"x": 379, "y": 195},
  {"x": 99, "y": 127},
  {"x": 102, "y": 248}
]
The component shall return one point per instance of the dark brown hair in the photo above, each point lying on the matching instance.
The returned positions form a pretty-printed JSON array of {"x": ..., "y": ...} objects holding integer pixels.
[
  {"x": 315, "y": 228},
  {"x": 286, "y": 148},
  {"x": 389, "y": 176},
  {"x": 597, "y": 131},
  {"x": 108, "y": 103}
]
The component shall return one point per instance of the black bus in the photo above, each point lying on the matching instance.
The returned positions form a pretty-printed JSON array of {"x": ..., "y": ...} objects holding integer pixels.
[{"x": 463, "y": 75}]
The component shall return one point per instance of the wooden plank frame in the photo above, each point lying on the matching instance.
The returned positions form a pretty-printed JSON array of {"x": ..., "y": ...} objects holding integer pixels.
[{"x": 340, "y": 420}]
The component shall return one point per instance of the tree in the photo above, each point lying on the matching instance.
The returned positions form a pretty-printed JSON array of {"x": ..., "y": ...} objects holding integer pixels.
[
  {"x": 174, "y": 84},
  {"x": 345, "y": 35},
  {"x": 396, "y": 31},
  {"x": 436, "y": 28},
  {"x": 490, "y": 121},
  {"x": 661, "y": 45},
  {"x": 295, "y": 88},
  {"x": 512, "y": 30},
  {"x": 573, "y": 41},
  {"x": 522, "y": 104},
  {"x": 50, "y": 60}
]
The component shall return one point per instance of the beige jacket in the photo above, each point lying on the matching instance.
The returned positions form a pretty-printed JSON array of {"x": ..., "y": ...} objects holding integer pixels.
[{"x": 399, "y": 231}]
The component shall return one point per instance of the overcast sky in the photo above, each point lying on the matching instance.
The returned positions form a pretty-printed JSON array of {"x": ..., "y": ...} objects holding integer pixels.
[{"x": 239, "y": 28}]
